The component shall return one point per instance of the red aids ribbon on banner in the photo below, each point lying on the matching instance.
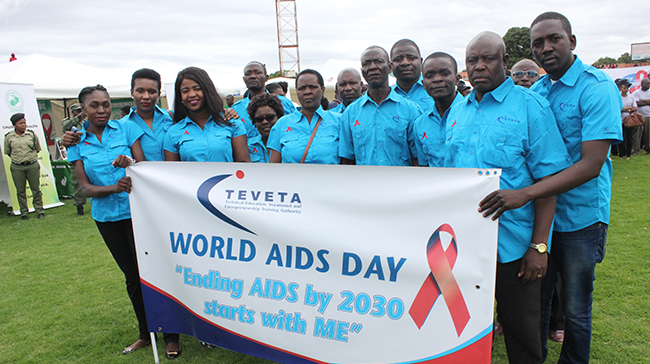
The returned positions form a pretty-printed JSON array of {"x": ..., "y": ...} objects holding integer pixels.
[{"x": 440, "y": 282}]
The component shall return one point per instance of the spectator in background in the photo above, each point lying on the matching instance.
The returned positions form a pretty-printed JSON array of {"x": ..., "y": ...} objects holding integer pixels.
[
  {"x": 642, "y": 97},
  {"x": 285, "y": 87},
  {"x": 124, "y": 111},
  {"x": 629, "y": 107},
  {"x": 13, "y": 58},
  {"x": 274, "y": 89},
  {"x": 337, "y": 98},
  {"x": 463, "y": 89},
  {"x": 264, "y": 110},
  {"x": 349, "y": 87},
  {"x": 75, "y": 120},
  {"x": 525, "y": 73},
  {"x": 230, "y": 99}
]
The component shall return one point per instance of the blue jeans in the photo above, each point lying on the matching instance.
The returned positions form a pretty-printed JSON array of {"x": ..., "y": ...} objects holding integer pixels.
[{"x": 574, "y": 256}]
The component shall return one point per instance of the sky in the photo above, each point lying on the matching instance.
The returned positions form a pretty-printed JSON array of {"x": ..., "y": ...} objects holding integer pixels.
[{"x": 222, "y": 36}]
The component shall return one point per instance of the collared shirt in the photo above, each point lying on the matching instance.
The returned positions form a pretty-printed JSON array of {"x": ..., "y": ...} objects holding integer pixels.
[
  {"x": 417, "y": 94},
  {"x": 211, "y": 144},
  {"x": 257, "y": 150},
  {"x": 117, "y": 138},
  {"x": 513, "y": 129},
  {"x": 381, "y": 134},
  {"x": 340, "y": 108},
  {"x": 430, "y": 135},
  {"x": 642, "y": 95},
  {"x": 153, "y": 138},
  {"x": 587, "y": 106},
  {"x": 241, "y": 107},
  {"x": 291, "y": 133},
  {"x": 22, "y": 148}
]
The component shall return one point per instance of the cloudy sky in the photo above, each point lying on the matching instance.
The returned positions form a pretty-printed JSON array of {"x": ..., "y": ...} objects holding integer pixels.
[{"x": 222, "y": 36}]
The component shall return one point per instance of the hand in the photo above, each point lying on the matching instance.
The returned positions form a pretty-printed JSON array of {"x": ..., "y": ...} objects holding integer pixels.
[
  {"x": 123, "y": 161},
  {"x": 501, "y": 201},
  {"x": 230, "y": 114},
  {"x": 123, "y": 185},
  {"x": 70, "y": 138},
  {"x": 533, "y": 266}
]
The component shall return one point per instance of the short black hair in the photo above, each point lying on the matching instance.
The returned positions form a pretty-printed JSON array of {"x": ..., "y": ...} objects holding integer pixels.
[
  {"x": 88, "y": 90},
  {"x": 284, "y": 85},
  {"x": 310, "y": 71},
  {"x": 147, "y": 73},
  {"x": 551, "y": 15},
  {"x": 443, "y": 55},
  {"x": 256, "y": 62},
  {"x": 16, "y": 117},
  {"x": 402, "y": 42},
  {"x": 265, "y": 99},
  {"x": 271, "y": 87},
  {"x": 125, "y": 109}
]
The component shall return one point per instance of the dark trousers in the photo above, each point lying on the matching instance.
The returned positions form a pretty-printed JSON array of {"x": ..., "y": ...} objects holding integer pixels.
[
  {"x": 118, "y": 236},
  {"x": 519, "y": 311},
  {"x": 628, "y": 142}
]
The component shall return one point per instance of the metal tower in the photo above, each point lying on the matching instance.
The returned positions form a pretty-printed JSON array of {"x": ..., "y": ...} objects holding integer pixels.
[{"x": 288, "y": 37}]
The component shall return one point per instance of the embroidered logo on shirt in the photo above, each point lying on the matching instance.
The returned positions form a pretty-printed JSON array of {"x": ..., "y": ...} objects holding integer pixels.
[
  {"x": 564, "y": 106},
  {"x": 397, "y": 119},
  {"x": 254, "y": 150},
  {"x": 288, "y": 129},
  {"x": 86, "y": 144},
  {"x": 504, "y": 119},
  {"x": 452, "y": 125},
  {"x": 243, "y": 121},
  {"x": 187, "y": 132},
  {"x": 425, "y": 136},
  {"x": 356, "y": 122}
]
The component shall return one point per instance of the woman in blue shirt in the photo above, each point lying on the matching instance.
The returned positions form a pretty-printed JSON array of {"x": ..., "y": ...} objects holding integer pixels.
[
  {"x": 264, "y": 110},
  {"x": 200, "y": 133},
  {"x": 290, "y": 136},
  {"x": 106, "y": 145}
]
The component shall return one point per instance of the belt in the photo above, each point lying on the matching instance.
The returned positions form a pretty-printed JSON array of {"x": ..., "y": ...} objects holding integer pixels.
[{"x": 25, "y": 163}]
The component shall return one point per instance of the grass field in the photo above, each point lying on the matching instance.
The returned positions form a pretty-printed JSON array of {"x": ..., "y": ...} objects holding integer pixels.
[{"x": 63, "y": 299}]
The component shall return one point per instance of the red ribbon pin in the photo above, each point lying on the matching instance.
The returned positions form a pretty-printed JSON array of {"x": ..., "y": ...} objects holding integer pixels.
[{"x": 441, "y": 282}]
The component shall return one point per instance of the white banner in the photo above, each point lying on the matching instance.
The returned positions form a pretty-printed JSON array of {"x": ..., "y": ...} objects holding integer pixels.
[
  {"x": 315, "y": 263},
  {"x": 17, "y": 98},
  {"x": 632, "y": 74}
]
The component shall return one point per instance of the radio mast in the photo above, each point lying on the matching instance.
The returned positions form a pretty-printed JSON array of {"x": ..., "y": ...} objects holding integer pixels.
[{"x": 288, "y": 37}]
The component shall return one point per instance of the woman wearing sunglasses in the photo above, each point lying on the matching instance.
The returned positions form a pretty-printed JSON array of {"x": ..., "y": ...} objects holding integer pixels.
[
  {"x": 310, "y": 135},
  {"x": 264, "y": 110}
]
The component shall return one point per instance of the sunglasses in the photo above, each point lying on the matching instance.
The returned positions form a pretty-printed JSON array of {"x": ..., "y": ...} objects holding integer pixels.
[
  {"x": 268, "y": 117},
  {"x": 527, "y": 73}
]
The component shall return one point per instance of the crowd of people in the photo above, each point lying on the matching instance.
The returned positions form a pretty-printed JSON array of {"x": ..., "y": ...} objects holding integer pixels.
[{"x": 549, "y": 135}]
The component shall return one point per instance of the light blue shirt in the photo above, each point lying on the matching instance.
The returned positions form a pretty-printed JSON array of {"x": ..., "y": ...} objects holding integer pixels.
[
  {"x": 291, "y": 133},
  {"x": 117, "y": 138},
  {"x": 430, "y": 135},
  {"x": 417, "y": 94},
  {"x": 587, "y": 106},
  {"x": 512, "y": 129},
  {"x": 340, "y": 108},
  {"x": 153, "y": 138},
  {"x": 257, "y": 150},
  {"x": 241, "y": 107},
  {"x": 381, "y": 134},
  {"x": 211, "y": 144}
]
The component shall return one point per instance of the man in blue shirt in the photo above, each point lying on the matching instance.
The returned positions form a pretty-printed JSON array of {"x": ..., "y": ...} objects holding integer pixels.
[
  {"x": 500, "y": 125},
  {"x": 439, "y": 79},
  {"x": 349, "y": 87},
  {"x": 255, "y": 77},
  {"x": 587, "y": 106},
  {"x": 407, "y": 69},
  {"x": 377, "y": 129}
]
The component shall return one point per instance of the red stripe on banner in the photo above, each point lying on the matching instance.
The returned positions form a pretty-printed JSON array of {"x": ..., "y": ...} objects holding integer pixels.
[
  {"x": 441, "y": 282},
  {"x": 478, "y": 352},
  {"x": 223, "y": 328}
]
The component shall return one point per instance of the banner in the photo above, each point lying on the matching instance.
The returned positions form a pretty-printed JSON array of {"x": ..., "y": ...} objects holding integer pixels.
[
  {"x": 632, "y": 74},
  {"x": 317, "y": 263},
  {"x": 21, "y": 98}
]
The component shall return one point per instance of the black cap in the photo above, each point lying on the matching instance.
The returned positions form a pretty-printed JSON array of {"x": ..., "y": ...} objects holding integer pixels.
[{"x": 15, "y": 117}]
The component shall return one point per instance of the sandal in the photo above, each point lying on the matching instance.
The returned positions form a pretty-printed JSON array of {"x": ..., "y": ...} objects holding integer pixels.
[
  {"x": 173, "y": 354},
  {"x": 129, "y": 349},
  {"x": 557, "y": 336}
]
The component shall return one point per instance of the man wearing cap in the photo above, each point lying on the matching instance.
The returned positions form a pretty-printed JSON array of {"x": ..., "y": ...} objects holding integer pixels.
[
  {"x": 525, "y": 73},
  {"x": 22, "y": 146},
  {"x": 75, "y": 120},
  {"x": 348, "y": 84}
]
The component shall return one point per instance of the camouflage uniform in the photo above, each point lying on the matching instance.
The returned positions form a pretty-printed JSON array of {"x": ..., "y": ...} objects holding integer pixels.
[{"x": 78, "y": 197}]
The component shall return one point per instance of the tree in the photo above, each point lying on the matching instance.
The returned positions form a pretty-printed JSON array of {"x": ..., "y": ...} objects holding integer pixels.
[
  {"x": 603, "y": 61},
  {"x": 275, "y": 74},
  {"x": 625, "y": 58},
  {"x": 517, "y": 42}
]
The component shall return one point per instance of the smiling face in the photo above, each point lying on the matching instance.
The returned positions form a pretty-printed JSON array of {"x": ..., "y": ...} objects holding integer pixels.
[
  {"x": 262, "y": 122},
  {"x": 255, "y": 77},
  {"x": 552, "y": 47},
  {"x": 309, "y": 91},
  {"x": 97, "y": 106},
  {"x": 145, "y": 93},
  {"x": 192, "y": 95},
  {"x": 486, "y": 63},
  {"x": 375, "y": 67},
  {"x": 407, "y": 63},
  {"x": 439, "y": 78}
]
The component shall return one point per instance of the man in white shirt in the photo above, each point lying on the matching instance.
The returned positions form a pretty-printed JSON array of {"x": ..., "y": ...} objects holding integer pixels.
[{"x": 642, "y": 97}]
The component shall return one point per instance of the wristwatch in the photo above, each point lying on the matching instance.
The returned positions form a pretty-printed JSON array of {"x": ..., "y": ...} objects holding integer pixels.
[{"x": 541, "y": 247}]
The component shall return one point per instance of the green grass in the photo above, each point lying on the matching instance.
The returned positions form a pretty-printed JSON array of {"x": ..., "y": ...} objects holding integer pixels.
[{"x": 63, "y": 299}]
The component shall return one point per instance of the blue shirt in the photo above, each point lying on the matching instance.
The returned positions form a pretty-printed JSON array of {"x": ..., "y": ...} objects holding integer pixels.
[
  {"x": 512, "y": 129},
  {"x": 241, "y": 107},
  {"x": 430, "y": 135},
  {"x": 291, "y": 133},
  {"x": 153, "y": 138},
  {"x": 117, "y": 138},
  {"x": 587, "y": 106},
  {"x": 417, "y": 94},
  {"x": 257, "y": 150},
  {"x": 211, "y": 144},
  {"x": 379, "y": 134},
  {"x": 340, "y": 108}
]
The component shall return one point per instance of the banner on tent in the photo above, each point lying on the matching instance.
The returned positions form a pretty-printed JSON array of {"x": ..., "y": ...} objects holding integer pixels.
[
  {"x": 308, "y": 263},
  {"x": 18, "y": 98}
]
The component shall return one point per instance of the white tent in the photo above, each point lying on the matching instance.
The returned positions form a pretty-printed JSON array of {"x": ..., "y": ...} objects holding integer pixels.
[{"x": 55, "y": 78}]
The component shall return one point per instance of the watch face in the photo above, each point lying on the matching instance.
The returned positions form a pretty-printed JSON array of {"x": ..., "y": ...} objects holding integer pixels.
[{"x": 541, "y": 248}]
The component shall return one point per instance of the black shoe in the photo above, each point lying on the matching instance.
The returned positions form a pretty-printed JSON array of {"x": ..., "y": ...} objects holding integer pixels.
[
  {"x": 41, "y": 215},
  {"x": 24, "y": 217},
  {"x": 80, "y": 210}
]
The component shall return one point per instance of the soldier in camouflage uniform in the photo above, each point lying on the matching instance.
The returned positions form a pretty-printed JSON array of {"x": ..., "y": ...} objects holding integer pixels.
[
  {"x": 75, "y": 120},
  {"x": 22, "y": 146}
]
